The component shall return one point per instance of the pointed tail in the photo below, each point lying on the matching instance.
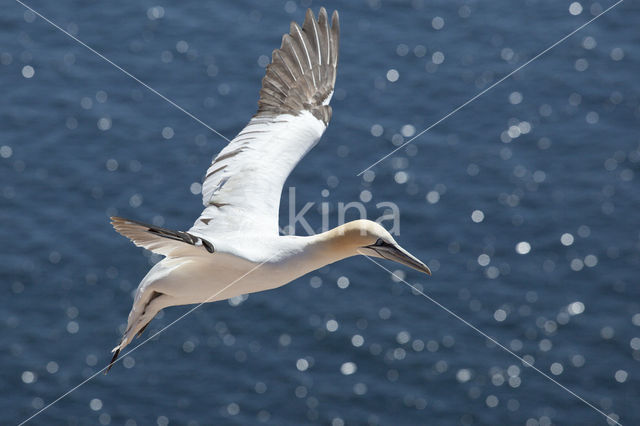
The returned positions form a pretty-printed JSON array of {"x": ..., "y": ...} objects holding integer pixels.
[{"x": 116, "y": 352}]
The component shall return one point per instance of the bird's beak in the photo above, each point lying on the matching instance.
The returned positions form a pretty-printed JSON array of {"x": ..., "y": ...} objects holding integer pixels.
[{"x": 397, "y": 254}]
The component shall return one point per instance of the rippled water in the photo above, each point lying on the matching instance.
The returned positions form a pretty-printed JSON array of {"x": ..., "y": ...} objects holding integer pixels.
[{"x": 524, "y": 203}]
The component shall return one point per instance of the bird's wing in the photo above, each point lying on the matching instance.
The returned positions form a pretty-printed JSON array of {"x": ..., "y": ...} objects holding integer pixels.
[
  {"x": 161, "y": 240},
  {"x": 242, "y": 187}
]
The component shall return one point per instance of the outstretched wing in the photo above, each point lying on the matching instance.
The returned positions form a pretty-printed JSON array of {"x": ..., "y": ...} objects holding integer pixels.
[
  {"x": 242, "y": 187},
  {"x": 159, "y": 240}
]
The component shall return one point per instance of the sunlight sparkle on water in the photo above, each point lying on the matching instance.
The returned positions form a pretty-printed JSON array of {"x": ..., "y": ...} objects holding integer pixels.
[{"x": 523, "y": 247}]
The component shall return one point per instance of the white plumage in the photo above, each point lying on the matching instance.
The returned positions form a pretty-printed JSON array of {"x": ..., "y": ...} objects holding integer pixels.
[
  {"x": 243, "y": 184},
  {"x": 234, "y": 247}
]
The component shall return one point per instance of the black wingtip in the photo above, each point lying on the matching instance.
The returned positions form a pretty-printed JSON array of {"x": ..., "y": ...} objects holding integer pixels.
[{"x": 113, "y": 360}]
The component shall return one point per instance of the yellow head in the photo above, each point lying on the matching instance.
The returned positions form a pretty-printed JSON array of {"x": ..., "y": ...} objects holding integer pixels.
[{"x": 369, "y": 238}]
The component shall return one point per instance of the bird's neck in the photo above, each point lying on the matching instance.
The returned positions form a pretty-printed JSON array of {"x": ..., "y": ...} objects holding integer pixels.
[{"x": 329, "y": 247}]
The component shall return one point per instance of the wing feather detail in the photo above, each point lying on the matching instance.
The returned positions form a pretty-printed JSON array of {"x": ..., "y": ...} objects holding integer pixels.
[
  {"x": 244, "y": 183},
  {"x": 159, "y": 240},
  {"x": 242, "y": 187},
  {"x": 302, "y": 72}
]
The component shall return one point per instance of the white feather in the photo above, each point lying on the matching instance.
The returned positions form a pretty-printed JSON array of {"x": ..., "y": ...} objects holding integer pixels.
[{"x": 244, "y": 182}]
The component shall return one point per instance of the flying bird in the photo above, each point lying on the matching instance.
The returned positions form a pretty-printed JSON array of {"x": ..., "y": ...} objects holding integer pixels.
[{"x": 234, "y": 247}]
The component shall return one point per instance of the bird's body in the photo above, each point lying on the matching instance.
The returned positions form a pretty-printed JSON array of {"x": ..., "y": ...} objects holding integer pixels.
[
  {"x": 234, "y": 247},
  {"x": 206, "y": 277}
]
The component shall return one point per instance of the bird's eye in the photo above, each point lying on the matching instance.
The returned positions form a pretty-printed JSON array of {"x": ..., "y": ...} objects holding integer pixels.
[{"x": 381, "y": 242}]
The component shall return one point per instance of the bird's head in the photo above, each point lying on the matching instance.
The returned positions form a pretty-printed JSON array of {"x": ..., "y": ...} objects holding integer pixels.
[{"x": 371, "y": 239}]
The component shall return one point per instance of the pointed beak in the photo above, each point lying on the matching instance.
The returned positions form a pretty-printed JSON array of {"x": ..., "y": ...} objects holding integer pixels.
[{"x": 397, "y": 254}]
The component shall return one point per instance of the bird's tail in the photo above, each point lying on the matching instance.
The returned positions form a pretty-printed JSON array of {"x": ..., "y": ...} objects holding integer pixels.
[
  {"x": 116, "y": 352},
  {"x": 145, "y": 308},
  {"x": 126, "y": 339}
]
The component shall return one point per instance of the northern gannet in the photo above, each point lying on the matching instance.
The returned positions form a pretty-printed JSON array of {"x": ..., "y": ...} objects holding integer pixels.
[{"x": 234, "y": 247}]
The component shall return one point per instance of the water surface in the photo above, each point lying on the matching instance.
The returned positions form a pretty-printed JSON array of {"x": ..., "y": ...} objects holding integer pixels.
[{"x": 549, "y": 158}]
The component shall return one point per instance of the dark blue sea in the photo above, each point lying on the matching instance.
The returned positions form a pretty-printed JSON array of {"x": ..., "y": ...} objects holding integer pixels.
[{"x": 525, "y": 203}]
